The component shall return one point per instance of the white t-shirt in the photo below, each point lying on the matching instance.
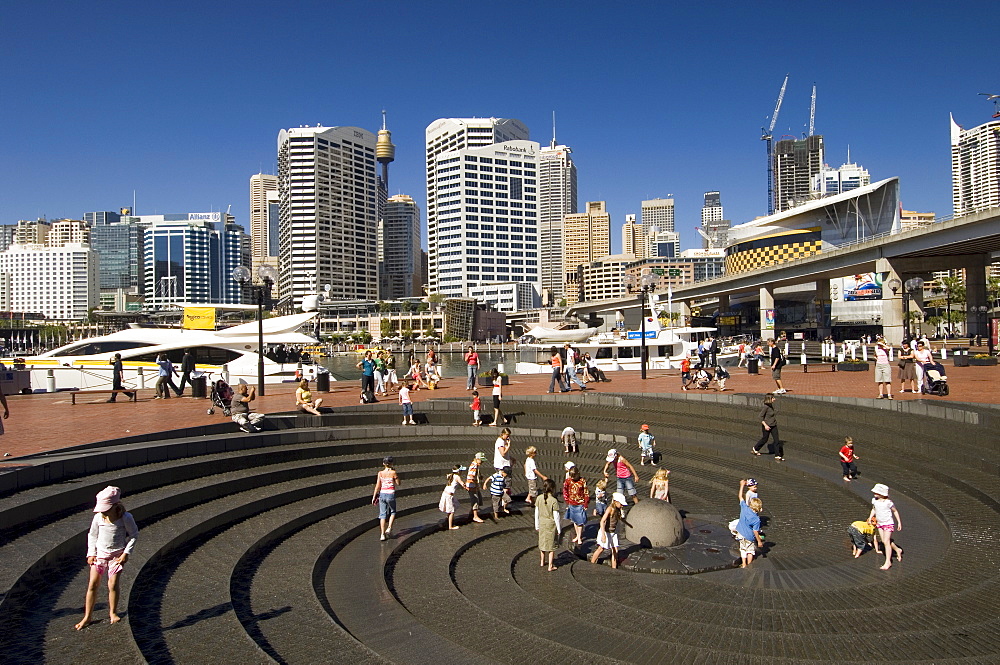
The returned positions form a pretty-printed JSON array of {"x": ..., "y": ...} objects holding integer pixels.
[
  {"x": 569, "y": 431},
  {"x": 883, "y": 511},
  {"x": 529, "y": 468},
  {"x": 751, "y": 495},
  {"x": 499, "y": 459}
]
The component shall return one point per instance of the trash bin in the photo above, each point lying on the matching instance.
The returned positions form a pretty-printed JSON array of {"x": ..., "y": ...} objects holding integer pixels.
[
  {"x": 199, "y": 386},
  {"x": 960, "y": 356},
  {"x": 322, "y": 381},
  {"x": 753, "y": 366}
]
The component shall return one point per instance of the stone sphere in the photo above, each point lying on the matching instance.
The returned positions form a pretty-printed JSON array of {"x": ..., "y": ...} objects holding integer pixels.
[{"x": 655, "y": 523}]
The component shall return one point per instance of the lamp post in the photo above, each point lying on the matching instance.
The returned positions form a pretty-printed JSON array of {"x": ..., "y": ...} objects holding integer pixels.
[
  {"x": 261, "y": 291},
  {"x": 979, "y": 311},
  {"x": 912, "y": 285},
  {"x": 645, "y": 285}
]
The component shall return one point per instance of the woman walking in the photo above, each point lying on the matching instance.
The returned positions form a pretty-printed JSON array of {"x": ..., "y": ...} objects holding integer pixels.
[
  {"x": 557, "y": 374},
  {"x": 385, "y": 496},
  {"x": 112, "y": 536},
  {"x": 547, "y": 522},
  {"x": 367, "y": 367},
  {"x": 769, "y": 428},
  {"x": 907, "y": 369}
]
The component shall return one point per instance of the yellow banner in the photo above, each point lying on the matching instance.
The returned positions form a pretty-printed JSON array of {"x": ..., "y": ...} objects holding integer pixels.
[{"x": 199, "y": 318}]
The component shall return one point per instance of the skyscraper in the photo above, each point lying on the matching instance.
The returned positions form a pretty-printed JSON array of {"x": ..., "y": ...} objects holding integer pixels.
[
  {"x": 796, "y": 161},
  {"x": 712, "y": 223},
  {"x": 329, "y": 209},
  {"x": 556, "y": 199},
  {"x": 265, "y": 224},
  {"x": 975, "y": 167},
  {"x": 658, "y": 213},
  {"x": 118, "y": 240},
  {"x": 190, "y": 257},
  {"x": 399, "y": 269},
  {"x": 482, "y": 204},
  {"x": 586, "y": 238},
  {"x": 830, "y": 181},
  {"x": 634, "y": 241}
]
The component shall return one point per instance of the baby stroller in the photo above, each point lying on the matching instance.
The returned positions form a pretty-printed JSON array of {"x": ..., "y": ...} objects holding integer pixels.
[
  {"x": 222, "y": 397},
  {"x": 936, "y": 383}
]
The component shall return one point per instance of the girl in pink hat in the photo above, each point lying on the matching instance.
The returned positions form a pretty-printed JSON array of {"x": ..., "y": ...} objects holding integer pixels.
[
  {"x": 109, "y": 543},
  {"x": 887, "y": 520}
]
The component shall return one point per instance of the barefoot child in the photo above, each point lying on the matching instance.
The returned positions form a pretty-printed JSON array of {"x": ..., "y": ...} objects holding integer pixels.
[
  {"x": 447, "y": 503},
  {"x": 659, "y": 488},
  {"x": 607, "y": 534},
  {"x": 747, "y": 527},
  {"x": 547, "y": 522},
  {"x": 112, "y": 536},
  {"x": 499, "y": 484},
  {"x": 476, "y": 407},
  {"x": 407, "y": 404},
  {"x": 384, "y": 496},
  {"x": 531, "y": 473},
  {"x": 883, "y": 512},
  {"x": 646, "y": 443},
  {"x": 600, "y": 497},
  {"x": 862, "y": 533}
]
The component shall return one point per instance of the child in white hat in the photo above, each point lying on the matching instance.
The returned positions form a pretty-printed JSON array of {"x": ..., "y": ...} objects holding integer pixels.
[
  {"x": 607, "y": 534},
  {"x": 112, "y": 536},
  {"x": 886, "y": 521}
]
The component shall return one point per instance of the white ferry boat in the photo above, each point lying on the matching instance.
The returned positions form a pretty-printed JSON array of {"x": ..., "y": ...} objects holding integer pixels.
[
  {"x": 615, "y": 350},
  {"x": 86, "y": 363}
]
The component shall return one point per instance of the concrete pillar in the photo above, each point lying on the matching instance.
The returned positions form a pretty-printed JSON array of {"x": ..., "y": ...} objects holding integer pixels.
[
  {"x": 823, "y": 328},
  {"x": 766, "y": 312},
  {"x": 724, "y": 303},
  {"x": 893, "y": 327},
  {"x": 975, "y": 295},
  {"x": 683, "y": 308}
]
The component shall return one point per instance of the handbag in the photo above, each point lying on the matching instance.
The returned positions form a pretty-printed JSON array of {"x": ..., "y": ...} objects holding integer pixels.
[{"x": 901, "y": 363}]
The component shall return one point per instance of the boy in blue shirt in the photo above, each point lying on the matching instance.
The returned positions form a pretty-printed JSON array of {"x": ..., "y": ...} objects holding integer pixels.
[
  {"x": 499, "y": 484},
  {"x": 646, "y": 443},
  {"x": 747, "y": 527}
]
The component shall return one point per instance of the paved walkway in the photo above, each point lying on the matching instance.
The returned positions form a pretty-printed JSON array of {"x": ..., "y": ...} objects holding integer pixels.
[{"x": 45, "y": 422}]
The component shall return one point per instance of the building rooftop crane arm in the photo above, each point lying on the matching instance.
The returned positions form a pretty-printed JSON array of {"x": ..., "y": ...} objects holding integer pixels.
[
  {"x": 767, "y": 135},
  {"x": 812, "y": 112}
]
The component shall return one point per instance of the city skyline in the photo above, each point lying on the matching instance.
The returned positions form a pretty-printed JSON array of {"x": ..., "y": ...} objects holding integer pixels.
[{"x": 647, "y": 118}]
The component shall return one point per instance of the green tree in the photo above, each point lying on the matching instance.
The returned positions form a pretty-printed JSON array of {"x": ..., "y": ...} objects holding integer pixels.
[
  {"x": 993, "y": 290},
  {"x": 954, "y": 292},
  {"x": 385, "y": 327},
  {"x": 423, "y": 307},
  {"x": 562, "y": 302},
  {"x": 429, "y": 331},
  {"x": 435, "y": 297}
]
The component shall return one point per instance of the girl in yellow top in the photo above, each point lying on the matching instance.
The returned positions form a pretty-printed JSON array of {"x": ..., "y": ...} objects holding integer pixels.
[{"x": 304, "y": 400}]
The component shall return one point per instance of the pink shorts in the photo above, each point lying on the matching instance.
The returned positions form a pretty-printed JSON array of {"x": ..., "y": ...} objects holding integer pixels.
[
  {"x": 887, "y": 527},
  {"x": 106, "y": 563}
]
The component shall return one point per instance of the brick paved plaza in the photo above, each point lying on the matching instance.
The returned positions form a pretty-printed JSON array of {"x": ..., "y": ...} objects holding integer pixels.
[{"x": 264, "y": 548}]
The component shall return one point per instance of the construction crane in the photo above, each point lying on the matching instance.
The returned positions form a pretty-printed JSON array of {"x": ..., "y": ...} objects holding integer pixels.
[
  {"x": 708, "y": 238},
  {"x": 768, "y": 135},
  {"x": 812, "y": 112}
]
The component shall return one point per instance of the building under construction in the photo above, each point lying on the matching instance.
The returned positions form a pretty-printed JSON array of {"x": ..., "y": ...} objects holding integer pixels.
[{"x": 795, "y": 162}]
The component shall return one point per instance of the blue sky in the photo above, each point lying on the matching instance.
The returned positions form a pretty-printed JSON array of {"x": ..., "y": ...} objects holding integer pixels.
[{"x": 182, "y": 101}]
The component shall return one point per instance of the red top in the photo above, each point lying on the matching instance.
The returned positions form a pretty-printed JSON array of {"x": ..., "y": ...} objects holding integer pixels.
[
  {"x": 472, "y": 358},
  {"x": 475, "y": 403},
  {"x": 575, "y": 492},
  {"x": 847, "y": 454},
  {"x": 685, "y": 365}
]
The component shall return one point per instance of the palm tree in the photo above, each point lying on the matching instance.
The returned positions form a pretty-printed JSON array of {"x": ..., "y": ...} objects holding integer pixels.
[{"x": 954, "y": 292}]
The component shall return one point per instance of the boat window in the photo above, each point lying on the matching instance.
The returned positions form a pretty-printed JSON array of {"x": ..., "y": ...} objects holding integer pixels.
[
  {"x": 604, "y": 352},
  {"x": 203, "y": 355},
  {"x": 94, "y": 348},
  {"x": 626, "y": 352}
]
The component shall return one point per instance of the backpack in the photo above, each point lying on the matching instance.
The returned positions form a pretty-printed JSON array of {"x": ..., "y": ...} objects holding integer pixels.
[{"x": 368, "y": 397}]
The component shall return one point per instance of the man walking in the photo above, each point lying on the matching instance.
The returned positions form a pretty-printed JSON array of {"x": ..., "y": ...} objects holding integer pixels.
[
  {"x": 777, "y": 362},
  {"x": 117, "y": 378},
  {"x": 187, "y": 366}
]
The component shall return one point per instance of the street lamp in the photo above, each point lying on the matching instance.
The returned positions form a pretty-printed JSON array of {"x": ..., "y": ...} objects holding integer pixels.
[
  {"x": 261, "y": 291},
  {"x": 912, "y": 286},
  {"x": 979, "y": 311},
  {"x": 644, "y": 285}
]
